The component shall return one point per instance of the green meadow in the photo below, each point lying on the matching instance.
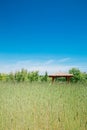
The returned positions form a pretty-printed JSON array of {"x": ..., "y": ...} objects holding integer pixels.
[{"x": 43, "y": 106}]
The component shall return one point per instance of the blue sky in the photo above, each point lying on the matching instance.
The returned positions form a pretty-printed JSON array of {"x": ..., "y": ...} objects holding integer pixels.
[{"x": 44, "y": 35}]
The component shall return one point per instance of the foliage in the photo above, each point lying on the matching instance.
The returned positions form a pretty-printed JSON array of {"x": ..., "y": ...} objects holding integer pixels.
[
  {"x": 23, "y": 76},
  {"x": 44, "y": 77},
  {"x": 78, "y": 75},
  {"x": 33, "y": 76}
]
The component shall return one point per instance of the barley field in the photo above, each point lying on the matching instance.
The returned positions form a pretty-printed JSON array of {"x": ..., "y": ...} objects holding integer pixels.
[{"x": 43, "y": 106}]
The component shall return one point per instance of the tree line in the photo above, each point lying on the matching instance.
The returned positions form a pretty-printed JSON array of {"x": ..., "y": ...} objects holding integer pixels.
[{"x": 24, "y": 75}]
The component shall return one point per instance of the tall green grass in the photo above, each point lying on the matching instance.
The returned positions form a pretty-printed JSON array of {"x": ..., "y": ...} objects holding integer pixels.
[{"x": 43, "y": 106}]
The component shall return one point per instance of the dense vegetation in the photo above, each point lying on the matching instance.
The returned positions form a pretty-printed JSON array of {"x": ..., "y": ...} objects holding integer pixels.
[
  {"x": 24, "y": 75},
  {"x": 43, "y": 106}
]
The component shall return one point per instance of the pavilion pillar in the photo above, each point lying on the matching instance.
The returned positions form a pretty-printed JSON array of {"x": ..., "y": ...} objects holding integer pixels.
[
  {"x": 53, "y": 79},
  {"x": 68, "y": 79}
]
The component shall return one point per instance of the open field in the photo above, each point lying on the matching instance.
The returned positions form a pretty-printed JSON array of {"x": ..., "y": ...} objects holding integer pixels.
[{"x": 42, "y": 106}]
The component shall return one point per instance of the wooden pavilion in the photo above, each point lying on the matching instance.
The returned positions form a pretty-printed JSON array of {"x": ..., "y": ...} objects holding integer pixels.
[{"x": 58, "y": 75}]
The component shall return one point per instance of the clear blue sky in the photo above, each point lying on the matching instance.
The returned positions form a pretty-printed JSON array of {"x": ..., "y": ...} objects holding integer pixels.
[{"x": 44, "y": 29}]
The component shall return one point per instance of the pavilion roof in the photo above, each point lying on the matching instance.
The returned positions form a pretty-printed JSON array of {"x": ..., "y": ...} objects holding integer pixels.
[{"x": 61, "y": 74}]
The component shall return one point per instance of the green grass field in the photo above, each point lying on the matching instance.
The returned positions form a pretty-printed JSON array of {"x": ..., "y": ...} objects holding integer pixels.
[{"x": 42, "y": 106}]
